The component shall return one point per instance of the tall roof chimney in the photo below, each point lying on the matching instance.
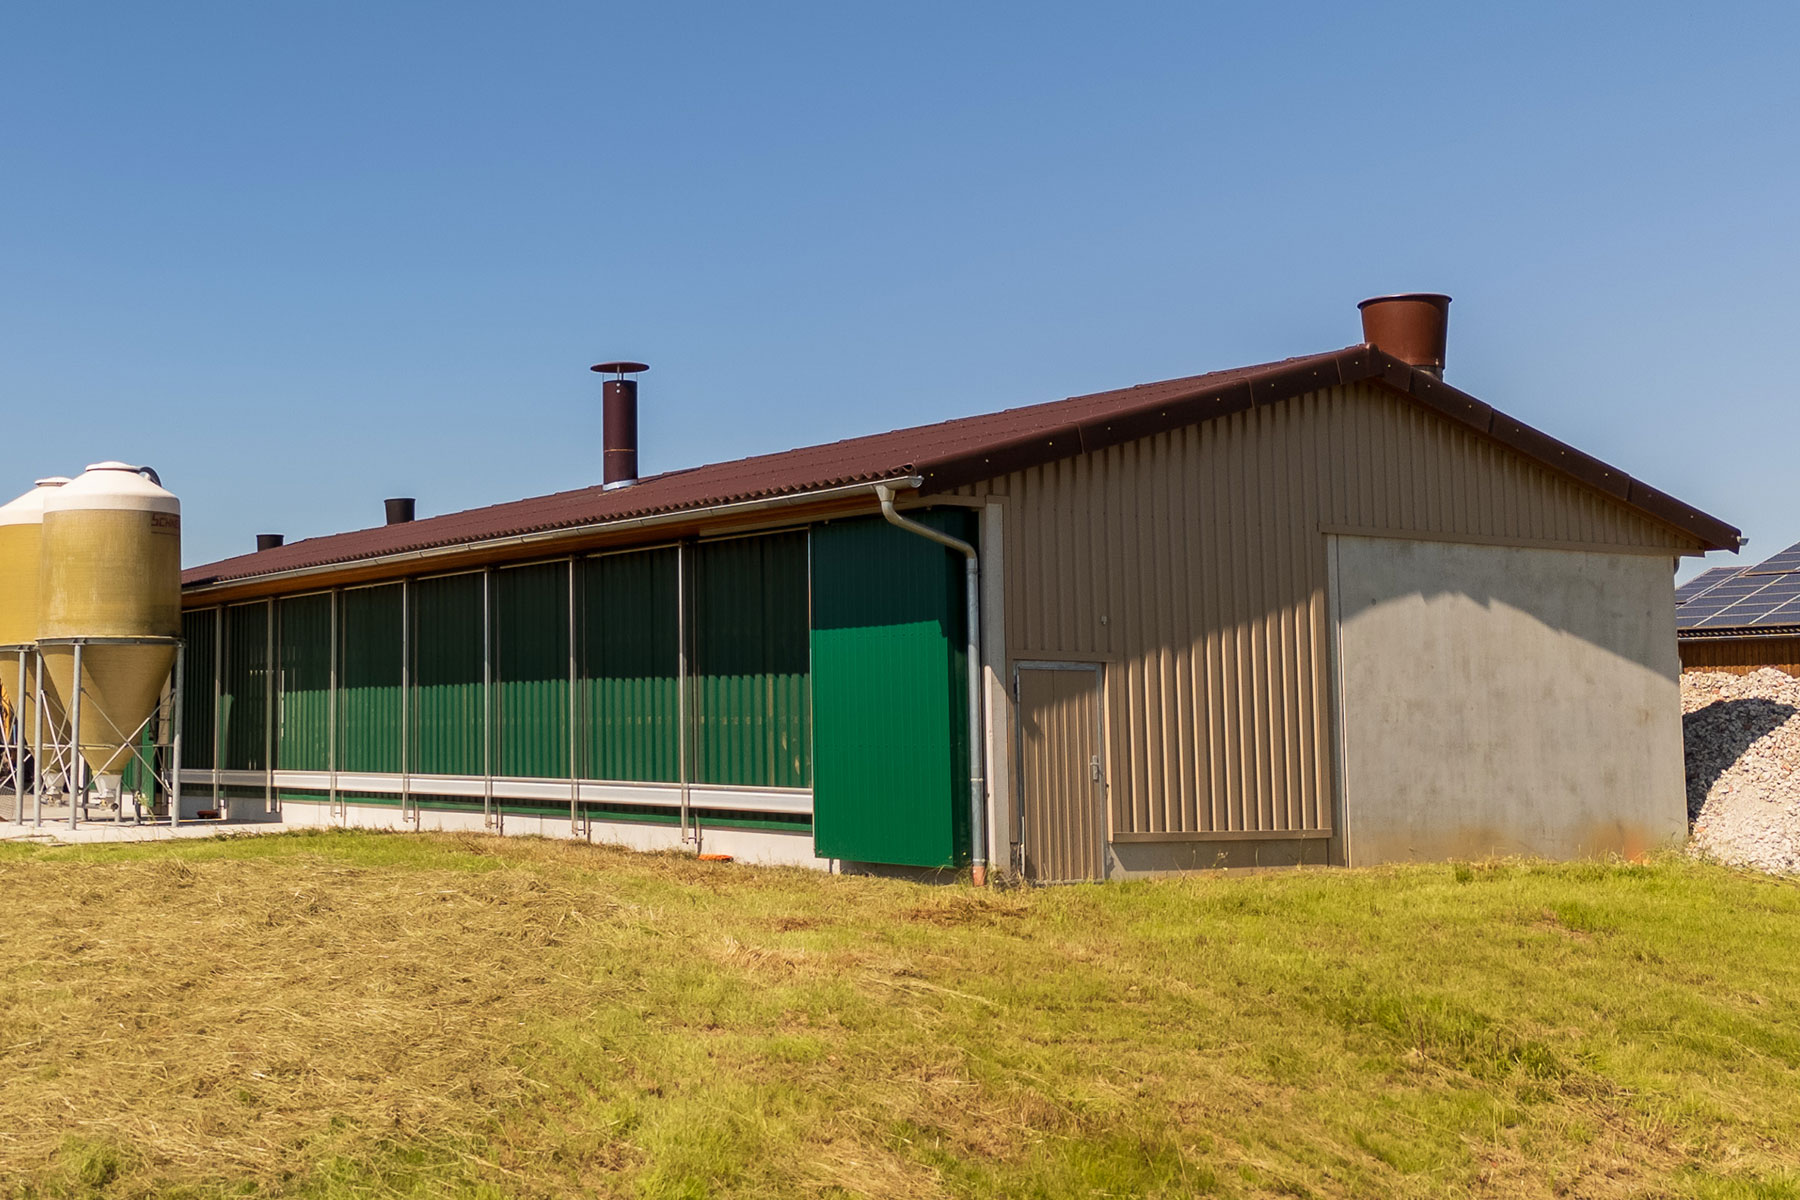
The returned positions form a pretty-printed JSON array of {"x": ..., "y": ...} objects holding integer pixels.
[
  {"x": 400, "y": 510},
  {"x": 1411, "y": 326},
  {"x": 619, "y": 465},
  {"x": 269, "y": 541}
]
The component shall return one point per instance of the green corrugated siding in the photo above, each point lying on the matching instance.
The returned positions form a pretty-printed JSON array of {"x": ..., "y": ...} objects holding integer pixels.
[
  {"x": 752, "y": 697},
  {"x": 369, "y": 674},
  {"x": 198, "y": 668},
  {"x": 134, "y": 776},
  {"x": 889, "y": 662},
  {"x": 244, "y": 700},
  {"x": 531, "y": 670},
  {"x": 303, "y": 731},
  {"x": 448, "y": 705},
  {"x": 630, "y": 667}
]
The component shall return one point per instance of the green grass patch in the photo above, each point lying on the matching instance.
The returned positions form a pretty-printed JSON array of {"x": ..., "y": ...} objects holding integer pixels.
[{"x": 332, "y": 1014}]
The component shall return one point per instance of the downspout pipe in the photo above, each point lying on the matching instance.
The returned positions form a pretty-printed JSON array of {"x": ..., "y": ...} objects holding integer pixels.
[{"x": 978, "y": 857}]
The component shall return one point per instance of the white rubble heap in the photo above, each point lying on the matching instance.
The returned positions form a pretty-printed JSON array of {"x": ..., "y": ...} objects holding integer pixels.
[{"x": 1743, "y": 767}]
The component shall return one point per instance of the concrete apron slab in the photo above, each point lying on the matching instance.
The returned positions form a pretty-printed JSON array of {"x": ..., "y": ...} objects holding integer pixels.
[
  {"x": 86, "y": 832},
  {"x": 761, "y": 847}
]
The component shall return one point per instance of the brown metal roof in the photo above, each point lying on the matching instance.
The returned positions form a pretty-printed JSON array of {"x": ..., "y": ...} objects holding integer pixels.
[{"x": 952, "y": 453}]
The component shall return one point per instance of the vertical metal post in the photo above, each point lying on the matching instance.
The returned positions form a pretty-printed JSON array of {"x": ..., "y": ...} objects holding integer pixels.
[
  {"x": 405, "y": 692},
  {"x": 487, "y": 697},
  {"x": 271, "y": 697},
  {"x": 19, "y": 745},
  {"x": 331, "y": 711},
  {"x": 37, "y": 742},
  {"x": 681, "y": 681},
  {"x": 218, "y": 709},
  {"x": 574, "y": 775},
  {"x": 978, "y": 839},
  {"x": 79, "y": 791},
  {"x": 178, "y": 700}
]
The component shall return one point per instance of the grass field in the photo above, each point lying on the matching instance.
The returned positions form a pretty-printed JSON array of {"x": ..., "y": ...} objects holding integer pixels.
[{"x": 339, "y": 1014}]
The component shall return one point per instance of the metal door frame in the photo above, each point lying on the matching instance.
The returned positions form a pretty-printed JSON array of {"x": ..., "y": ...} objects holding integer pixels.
[{"x": 1098, "y": 669}]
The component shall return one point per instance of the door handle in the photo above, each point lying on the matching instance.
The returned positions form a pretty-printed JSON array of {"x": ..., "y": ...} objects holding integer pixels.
[{"x": 1094, "y": 767}]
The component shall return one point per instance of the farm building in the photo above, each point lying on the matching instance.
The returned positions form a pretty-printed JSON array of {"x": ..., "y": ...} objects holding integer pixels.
[
  {"x": 1741, "y": 619},
  {"x": 1324, "y": 610}
]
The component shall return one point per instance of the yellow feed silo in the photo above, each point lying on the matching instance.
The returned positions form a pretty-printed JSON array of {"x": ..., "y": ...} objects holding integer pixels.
[
  {"x": 111, "y": 568},
  {"x": 21, "y": 530}
]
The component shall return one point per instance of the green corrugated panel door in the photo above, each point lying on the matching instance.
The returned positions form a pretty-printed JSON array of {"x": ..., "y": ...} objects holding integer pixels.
[
  {"x": 369, "y": 675},
  {"x": 303, "y": 729},
  {"x": 243, "y": 695},
  {"x": 752, "y": 699},
  {"x": 531, "y": 670},
  {"x": 448, "y": 704},
  {"x": 198, "y": 670},
  {"x": 630, "y": 667},
  {"x": 890, "y": 693}
]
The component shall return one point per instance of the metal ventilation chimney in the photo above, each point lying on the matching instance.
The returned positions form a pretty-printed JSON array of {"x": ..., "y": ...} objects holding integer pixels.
[
  {"x": 1411, "y": 326},
  {"x": 619, "y": 465},
  {"x": 269, "y": 541},
  {"x": 400, "y": 510}
]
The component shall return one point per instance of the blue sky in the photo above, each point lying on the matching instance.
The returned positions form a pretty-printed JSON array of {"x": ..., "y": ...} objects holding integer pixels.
[{"x": 304, "y": 257}]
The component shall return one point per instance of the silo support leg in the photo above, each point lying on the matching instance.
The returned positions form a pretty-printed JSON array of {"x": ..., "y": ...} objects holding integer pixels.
[{"x": 78, "y": 792}]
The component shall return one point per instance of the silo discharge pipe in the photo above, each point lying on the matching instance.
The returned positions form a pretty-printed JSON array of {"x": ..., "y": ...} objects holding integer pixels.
[{"x": 978, "y": 856}]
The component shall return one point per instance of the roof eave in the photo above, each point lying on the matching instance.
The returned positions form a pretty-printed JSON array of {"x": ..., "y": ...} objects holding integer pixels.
[
  {"x": 1355, "y": 364},
  {"x": 1738, "y": 633},
  {"x": 404, "y": 561}
]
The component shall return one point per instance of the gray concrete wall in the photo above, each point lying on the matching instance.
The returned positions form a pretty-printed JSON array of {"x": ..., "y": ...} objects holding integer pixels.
[{"x": 1503, "y": 700}]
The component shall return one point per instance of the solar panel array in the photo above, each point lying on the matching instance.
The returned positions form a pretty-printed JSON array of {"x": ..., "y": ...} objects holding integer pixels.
[
  {"x": 1765, "y": 595},
  {"x": 1782, "y": 564},
  {"x": 1704, "y": 580}
]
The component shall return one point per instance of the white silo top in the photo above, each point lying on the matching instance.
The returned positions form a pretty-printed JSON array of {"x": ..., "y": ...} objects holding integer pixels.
[
  {"x": 29, "y": 508},
  {"x": 113, "y": 485}
]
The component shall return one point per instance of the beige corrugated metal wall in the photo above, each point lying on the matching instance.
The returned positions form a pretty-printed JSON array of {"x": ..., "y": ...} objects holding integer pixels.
[
  {"x": 1193, "y": 564},
  {"x": 1059, "y": 728}
]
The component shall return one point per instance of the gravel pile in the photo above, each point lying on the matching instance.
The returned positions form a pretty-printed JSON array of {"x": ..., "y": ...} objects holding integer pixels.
[{"x": 1743, "y": 767}]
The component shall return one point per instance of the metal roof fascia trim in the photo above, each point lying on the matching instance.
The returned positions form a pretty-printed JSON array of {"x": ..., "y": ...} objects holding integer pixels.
[{"x": 655, "y": 520}]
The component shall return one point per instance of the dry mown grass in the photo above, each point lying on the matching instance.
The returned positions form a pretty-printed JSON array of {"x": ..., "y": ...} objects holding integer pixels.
[
  {"x": 226, "y": 1017},
  {"x": 338, "y": 1015}
]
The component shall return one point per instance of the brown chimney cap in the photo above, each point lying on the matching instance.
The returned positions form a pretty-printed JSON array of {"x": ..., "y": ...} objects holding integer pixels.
[
  {"x": 619, "y": 368},
  {"x": 1429, "y": 296}
]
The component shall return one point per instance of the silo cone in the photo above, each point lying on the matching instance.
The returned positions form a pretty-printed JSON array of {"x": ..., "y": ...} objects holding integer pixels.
[
  {"x": 111, "y": 567},
  {"x": 21, "y": 530}
]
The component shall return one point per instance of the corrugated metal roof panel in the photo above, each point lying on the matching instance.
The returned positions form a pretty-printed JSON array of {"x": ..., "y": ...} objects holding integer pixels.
[{"x": 951, "y": 453}]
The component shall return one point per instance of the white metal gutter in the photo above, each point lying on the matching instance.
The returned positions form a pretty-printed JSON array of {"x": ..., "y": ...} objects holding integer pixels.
[{"x": 978, "y": 852}]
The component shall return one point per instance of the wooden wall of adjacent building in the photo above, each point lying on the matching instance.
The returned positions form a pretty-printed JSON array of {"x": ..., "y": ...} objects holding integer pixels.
[
  {"x": 1741, "y": 656},
  {"x": 1193, "y": 565}
]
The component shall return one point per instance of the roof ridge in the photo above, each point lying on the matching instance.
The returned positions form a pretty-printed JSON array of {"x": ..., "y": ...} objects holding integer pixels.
[{"x": 960, "y": 450}]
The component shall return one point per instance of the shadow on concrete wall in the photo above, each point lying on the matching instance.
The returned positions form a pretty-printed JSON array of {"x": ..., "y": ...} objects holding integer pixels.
[
  {"x": 1594, "y": 597},
  {"x": 1717, "y": 736}
]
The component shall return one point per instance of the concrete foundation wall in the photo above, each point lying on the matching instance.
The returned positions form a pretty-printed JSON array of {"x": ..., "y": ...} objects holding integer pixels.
[
  {"x": 1504, "y": 700},
  {"x": 763, "y": 847}
]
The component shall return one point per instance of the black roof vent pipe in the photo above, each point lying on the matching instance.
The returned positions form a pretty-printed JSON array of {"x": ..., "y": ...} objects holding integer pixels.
[
  {"x": 619, "y": 465},
  {"x": 269, "y": 541},
  {"x": 400, "y": 511}
]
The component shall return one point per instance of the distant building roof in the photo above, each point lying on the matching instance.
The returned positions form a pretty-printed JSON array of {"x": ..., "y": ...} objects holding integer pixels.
[
  {"x": 952, "y": 453},
  {"x": 1739, "y": 601}
]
